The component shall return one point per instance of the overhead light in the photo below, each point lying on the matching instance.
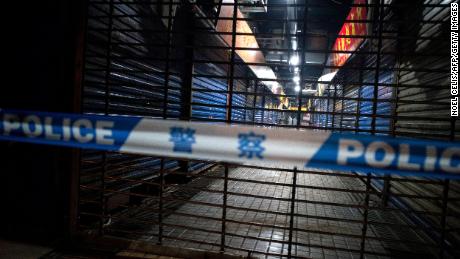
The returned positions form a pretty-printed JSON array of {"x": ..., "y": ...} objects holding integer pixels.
[
  {"x": 294, "y": 60},
  {"x": 297, "y": 88},
  {"x": 294, "y": 45},
  {"x": 296, "y": 79},
  {"x": 296, "y": 69}
]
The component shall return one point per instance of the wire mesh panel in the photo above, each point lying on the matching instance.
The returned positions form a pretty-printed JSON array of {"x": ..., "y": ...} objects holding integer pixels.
[{"x": 365, "y": 67}]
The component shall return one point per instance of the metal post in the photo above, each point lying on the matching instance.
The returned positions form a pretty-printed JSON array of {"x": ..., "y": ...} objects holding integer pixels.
[
  {"x": 327, "y": 107},
  {"x": 302, "y": 63},
  {"x": 224, "y": 210},
  {"x": 386, "y": 190},
  {"x": 168, "y": 55},
  {"x": 342, "y": 105},
  {"x": 365, "y": 215},
  {"x": 291, "y": 216},
  {"x": 79, "y": 75},
  {"x": 445, "y": 198},
  {"x": 254, "y": 105},
  {"x": 246, "y": 99},
  {"x": 263, "y": 104},
  {"x": 334, "y": 100},
  {"x": 187, "y": 68},
  {"x": 186, "y": 27},
  {"x": 232, "y": 63},
  {"x": 379, "y": 16},
  {"x": 160, "y": 205},
  {"x": 106, "y": 112},
  {"x": 358, "y": 103}
]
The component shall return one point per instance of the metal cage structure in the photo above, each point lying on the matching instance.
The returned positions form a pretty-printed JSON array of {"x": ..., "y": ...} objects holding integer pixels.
[{"x": 276, "y": 63}]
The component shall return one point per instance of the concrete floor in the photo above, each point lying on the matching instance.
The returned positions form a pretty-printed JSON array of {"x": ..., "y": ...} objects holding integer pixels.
[{"x": 17, "y": 250}]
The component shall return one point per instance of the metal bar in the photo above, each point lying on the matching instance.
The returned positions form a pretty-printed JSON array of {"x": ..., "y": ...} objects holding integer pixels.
[
  {"x": 378, "y": 17},
  {"x": 168, "y": 50},
  {"x": 263, "y": 104},
  {"x": 291, "y": 217},
  {"x": 365, "y": 215},
  {"x": 445, "y": 197},
  {"x": 254, "y": 104},
  {"x": 334, "y": 100},
  {"x": 79, "y": 78},
  {"x": 161, "y": 203},
  {"x": 224, "y": 210},
  {"x": 232, "y": 61}
]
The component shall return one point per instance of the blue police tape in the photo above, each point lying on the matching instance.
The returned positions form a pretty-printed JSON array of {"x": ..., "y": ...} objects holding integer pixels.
[{"x": 236, "y": 144}]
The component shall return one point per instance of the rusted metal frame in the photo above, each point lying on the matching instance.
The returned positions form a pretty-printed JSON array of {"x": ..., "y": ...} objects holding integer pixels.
[
  {"x": 334, "y": 102},
  {"x": 187, "y": 67},
  {"x": 161, "y": 203},
  {"x": 291, "y": 216},
  {"x": 261, "y": 225},
  {"x": 358, "y": 102},
  {"x": 254, "y": 103},
  {"x": 204, "y": 61},
  {"x": 365, "y": 216},
  {"x": 79, "y": 79},
  {"x": 329, "y": 189},
  {"x": 279, "y": 213},
  {"x": 268, "y": 94},
  {"x": 106, "y": 111},
  {"x": 378, "y": 17},
  {"x": 313, "y": 21},
  {"x": 274, "y": 198},
  {"x": 246, "y": 90},
  {"x": 167, "y": 65},
  {"x": 325, "y": 51},
  {"x": 231, "y": 72},
  {"x": 283, "y": 5},
  {"x": 224, "y": 210},
  {"x": 302, "y": 48},
  {"x": 342, "y": 104},
  {"x": 263, "y": 104},
  {"x": 188, "y": 64},
  {"x": 327, "y": 112},
  {"x": 445, "y": 199},
  {"x": 386, "y": 192}
]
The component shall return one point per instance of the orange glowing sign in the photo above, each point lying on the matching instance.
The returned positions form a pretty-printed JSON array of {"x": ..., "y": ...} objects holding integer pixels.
[{"x": 350, "y": 29}]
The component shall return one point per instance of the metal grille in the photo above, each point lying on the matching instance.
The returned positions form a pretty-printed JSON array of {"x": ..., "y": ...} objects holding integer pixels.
[{"x": 275, "y": 64}]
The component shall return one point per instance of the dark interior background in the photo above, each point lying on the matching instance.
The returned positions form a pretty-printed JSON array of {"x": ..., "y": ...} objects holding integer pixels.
[{"x": 38, "y": 62}]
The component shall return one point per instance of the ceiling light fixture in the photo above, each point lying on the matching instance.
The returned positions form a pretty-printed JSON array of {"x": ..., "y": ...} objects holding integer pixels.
[
  {"x": 294, "y": 60},
  {"x": 294, "y": 45},
  {"x": 297, "y": 88},
  {"x": 296, "y": 79}
]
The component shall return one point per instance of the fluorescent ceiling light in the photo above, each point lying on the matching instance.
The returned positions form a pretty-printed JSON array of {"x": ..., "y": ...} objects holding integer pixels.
[
  {"x": 297, "y": 88},
  {"x": 294, "y": 60},
  {"x": 296, "y": 79}
]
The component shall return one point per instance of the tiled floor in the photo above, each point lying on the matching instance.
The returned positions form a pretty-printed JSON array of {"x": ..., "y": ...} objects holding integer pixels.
[{"x": 262, "y": 231}]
